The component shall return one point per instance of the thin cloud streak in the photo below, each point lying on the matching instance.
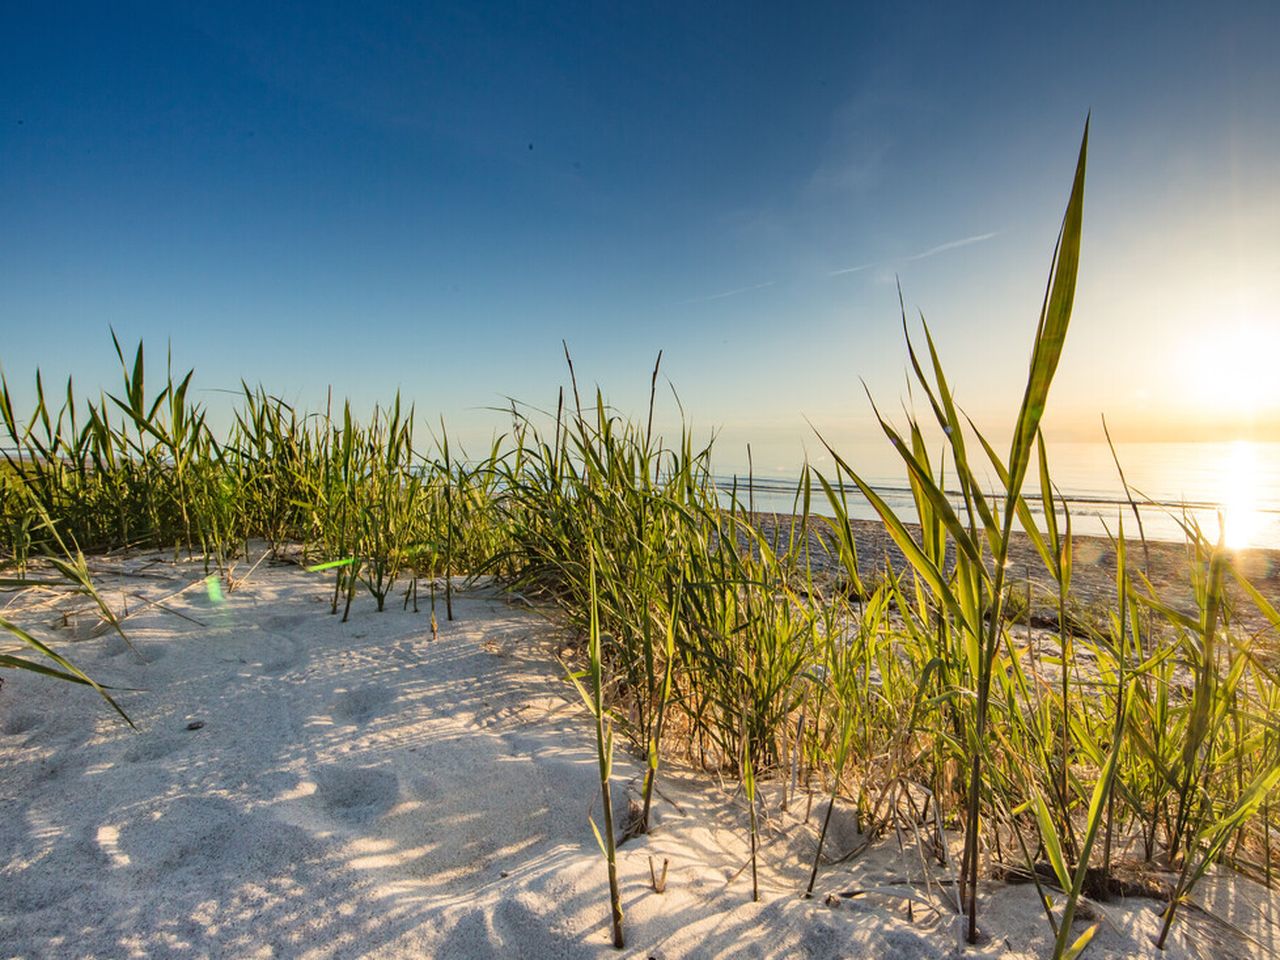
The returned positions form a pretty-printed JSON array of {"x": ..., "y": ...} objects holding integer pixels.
[
  {"x": 857, "y": 269},
  {"x": 954, "y": 244},
  {"x": 728, "y": 293},
  {"x": 931, "y": 252}
]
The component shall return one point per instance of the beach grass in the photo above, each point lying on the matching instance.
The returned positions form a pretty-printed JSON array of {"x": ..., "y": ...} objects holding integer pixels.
[{"x": 1145, "y": 738}]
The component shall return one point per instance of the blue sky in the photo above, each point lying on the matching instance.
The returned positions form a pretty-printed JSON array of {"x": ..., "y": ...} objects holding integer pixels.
[{"x": 430, "y": 197}]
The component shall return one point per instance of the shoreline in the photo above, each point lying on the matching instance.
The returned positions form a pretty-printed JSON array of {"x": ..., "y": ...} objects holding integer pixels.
[{"x": 1164, "y": 563}]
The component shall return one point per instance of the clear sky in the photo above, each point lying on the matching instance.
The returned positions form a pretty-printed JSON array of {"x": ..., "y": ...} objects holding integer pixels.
[{"x": 430, "y": 197}]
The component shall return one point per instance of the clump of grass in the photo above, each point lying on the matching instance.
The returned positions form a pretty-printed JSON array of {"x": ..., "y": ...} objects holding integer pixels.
[
  {"x": 70, "y": 573},
  {"x": 972, "y": 599}
]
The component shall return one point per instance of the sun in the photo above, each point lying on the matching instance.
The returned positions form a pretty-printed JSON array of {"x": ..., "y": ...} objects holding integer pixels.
[{"x": 1233, "y": 370}]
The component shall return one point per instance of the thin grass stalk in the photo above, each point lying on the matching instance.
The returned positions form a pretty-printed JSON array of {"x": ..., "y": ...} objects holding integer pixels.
[{"x": 604, "y": 755}]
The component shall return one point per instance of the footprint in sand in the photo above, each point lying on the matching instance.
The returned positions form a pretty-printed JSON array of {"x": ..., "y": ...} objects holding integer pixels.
[
  {"x": 356, "y": 794},
  {"x": 148, "y": 748},
  {"x": 38, "y": 878},
  {"x": 209, "y": 837},
  {"x": 182, "y": 833},
  {"x": 151, "y": 652},
  {"x": 66, "y": 732},
  {"x": 279, "y": 655},
  {"x": 23, "y": 721},
  {"x": 361, "y": 704},
  {"x": 285, "y": 622}
]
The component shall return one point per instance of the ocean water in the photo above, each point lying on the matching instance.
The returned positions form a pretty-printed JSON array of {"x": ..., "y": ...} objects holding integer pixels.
[{"x": 1232, "y": 488}]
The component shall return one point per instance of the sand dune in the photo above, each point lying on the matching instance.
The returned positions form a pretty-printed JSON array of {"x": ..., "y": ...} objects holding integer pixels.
[{"x": 359, "y": 789}]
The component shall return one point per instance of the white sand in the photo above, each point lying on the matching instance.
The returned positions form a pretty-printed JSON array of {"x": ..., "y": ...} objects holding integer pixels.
[{"x": 359, "y": 790}]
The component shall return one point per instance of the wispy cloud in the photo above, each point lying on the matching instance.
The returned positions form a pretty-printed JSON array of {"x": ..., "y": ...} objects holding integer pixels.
[
  {"x": 954, "y": 244},
  {"x": 858, "y": 269},
  {"x": 931, "y": 252},
  {"x": 728, "y": 293},
  {"x": 922, "y": 255}
]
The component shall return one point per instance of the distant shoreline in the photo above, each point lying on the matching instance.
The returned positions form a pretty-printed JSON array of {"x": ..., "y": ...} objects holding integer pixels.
[{"x": 1164, "y": 563}]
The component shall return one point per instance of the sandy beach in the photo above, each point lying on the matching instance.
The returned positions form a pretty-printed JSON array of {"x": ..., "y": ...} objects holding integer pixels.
[
  {"x": 303, "y": 787},
  {"x": 1166, "y": 565}
]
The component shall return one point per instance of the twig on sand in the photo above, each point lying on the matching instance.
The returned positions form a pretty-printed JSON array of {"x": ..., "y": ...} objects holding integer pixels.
[{"x": 659, "y": 883}]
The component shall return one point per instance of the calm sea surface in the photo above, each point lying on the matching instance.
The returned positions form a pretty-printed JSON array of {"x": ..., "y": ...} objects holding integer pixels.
[{"x": 1238, "y": 482}]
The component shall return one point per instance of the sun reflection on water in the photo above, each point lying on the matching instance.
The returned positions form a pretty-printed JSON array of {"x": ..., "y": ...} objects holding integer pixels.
[{"x": 1240, "y": 517}]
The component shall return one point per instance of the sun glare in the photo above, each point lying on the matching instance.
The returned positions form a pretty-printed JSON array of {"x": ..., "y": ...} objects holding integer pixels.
[
  {"x": 1241, "y": 519},
  {"x": 1235, "y": 370}
]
